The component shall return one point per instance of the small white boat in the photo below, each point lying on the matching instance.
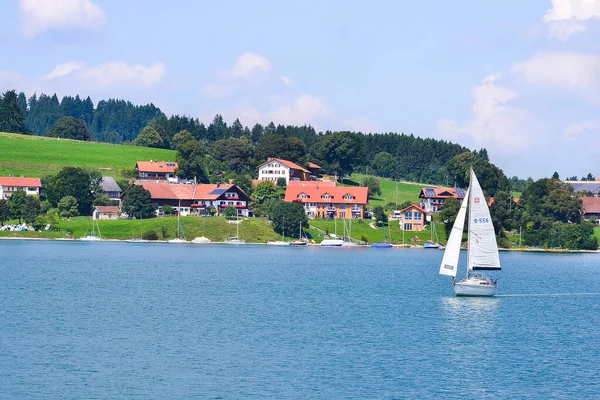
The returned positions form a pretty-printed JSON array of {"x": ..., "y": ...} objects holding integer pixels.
[
  {"x": 201, "y": 240},
  {"x": 277, "y": 243},
  {"x": 138, "y": 240},
  {"x": 177, "y": 240},
  {"x": 92, "y": 237},
  {"x": 301, "y": 242},
  {"x": 234, "y": 240},
  {"x": 482, "y": 250},
  {"x": 332, "y": 243}
]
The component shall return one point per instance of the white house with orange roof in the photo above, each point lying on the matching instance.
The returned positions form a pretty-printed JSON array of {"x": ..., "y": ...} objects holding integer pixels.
[
  {"x": 198, "y": 199},
  {"x": 155, "y": 170},
  {"x": 275, "y": 168},
  {"x": 325, "y": 200},
  {"x": 11, "y": 184},
  {"x": 434, "y": 197}
]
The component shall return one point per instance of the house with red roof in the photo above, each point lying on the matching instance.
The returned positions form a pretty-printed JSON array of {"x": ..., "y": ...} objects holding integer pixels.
[
  {"x": 155, "y": 170},
  {"x": 434, "y": 197},
  {"x": 591, "y": 208},
  {"x": 327, "y": 200},
  {"x": 12, "y": 184},
  {"x": 412, "y": 218},
  {"x": 106, "y": 212},
  {"x": 275, "y": 168},
  {"x": 198, "y": 199}
]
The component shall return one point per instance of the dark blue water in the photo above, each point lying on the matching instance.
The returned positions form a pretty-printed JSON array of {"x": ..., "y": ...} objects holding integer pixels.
[{"x": 119, "y": 320}]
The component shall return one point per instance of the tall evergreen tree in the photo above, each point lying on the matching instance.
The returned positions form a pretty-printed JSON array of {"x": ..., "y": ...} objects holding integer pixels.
[{"x": 12, "y": 116}]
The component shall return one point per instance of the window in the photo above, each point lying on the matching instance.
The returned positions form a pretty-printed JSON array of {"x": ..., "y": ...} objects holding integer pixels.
[
  {"x": 348, "y": 197},
  {"x": 302, "y": 196},
  {"x": 408, "y": 215},
  {"x": 408, "y": 227},
  {"x": 326, "y": 196},
  {"x": 418, "y": 215}
]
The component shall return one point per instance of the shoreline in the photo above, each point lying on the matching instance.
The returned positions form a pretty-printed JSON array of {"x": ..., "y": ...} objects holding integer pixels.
[{"x": 399, "y": 246}]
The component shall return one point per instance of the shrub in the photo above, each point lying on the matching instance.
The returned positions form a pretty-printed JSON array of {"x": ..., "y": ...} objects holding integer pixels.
[
  {"x": 150, "y": 235},
  {"x": 163, "y": 231}
]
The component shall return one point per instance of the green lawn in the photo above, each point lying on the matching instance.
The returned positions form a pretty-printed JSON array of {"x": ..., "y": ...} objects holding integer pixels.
[
  {"x": 361, "y": 228},
  {"x": 253, "y": 230},
  {"x": 37, "y": 156},
  {"x": 597, "y": 233},
  {"x": 391, "y": 191}
]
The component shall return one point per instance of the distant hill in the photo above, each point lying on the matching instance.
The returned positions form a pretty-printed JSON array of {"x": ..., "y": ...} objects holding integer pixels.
[{"x": 38, "y": 156}]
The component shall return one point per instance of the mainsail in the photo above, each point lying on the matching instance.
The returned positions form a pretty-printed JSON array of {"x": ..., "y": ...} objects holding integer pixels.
[
  {"x": 449, "y": 264},
  {"x": 483, "y": 250}
]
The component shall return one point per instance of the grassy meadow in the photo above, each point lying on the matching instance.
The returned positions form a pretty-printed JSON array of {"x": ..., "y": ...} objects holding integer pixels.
[
  {"x": 38, "y": 156},
  {"x": 390, "y": 190},
  {"x": 253, "y": 230}
]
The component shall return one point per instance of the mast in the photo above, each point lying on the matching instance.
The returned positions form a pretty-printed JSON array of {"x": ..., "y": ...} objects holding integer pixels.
[{"x": 469, "y": 226}]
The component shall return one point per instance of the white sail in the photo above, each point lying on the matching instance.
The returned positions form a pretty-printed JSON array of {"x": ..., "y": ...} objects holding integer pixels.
[
  {"x": 483, "y": 250},
  {"x": 449, "y": 264}
]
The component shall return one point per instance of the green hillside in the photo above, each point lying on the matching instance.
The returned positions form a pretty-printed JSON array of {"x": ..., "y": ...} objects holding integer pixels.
[
  {"x": 391, "y": 191},
  {"x": 37, "y": 156}
]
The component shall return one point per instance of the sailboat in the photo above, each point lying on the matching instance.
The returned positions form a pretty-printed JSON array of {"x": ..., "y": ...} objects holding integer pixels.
[
  {"x": 403, "y": 245},
  {"x": 179, "y": 228},
  {"x": 431, "y": 244},
  {"x": 140, "y": 239},
  {"x": 349, "y": 242},
  {"x": 482, "y": 250},
  {"x": 235, "y": 239},
  {"x": 279, "y": 242},
  {"x": 333, "y": 242},
  {"x": 202, "y": 239},
  {"x": 92, "y": 237},
  {"x": 301, "y": 241}
]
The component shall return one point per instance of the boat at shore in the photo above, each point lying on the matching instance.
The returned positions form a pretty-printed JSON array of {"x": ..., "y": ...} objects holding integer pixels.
[
  {"x": 332, "y": 242},
  {"x": 92, "y": 236}
]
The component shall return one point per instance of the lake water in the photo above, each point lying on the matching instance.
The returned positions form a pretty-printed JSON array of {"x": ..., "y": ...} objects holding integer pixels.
[{"x": 121, "y": 320}]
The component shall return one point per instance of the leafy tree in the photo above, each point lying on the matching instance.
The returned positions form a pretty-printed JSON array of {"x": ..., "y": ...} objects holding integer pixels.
[
  {"x": 76, "y": 182},
  {"x": 190, "y": 160},
  {"x": 263, "y": 192},
  {"x": 230, "y": 212},
  {"x": 384, "y": 164},
  {"x": 12, "y": 116},
  {"x": 502, "y": 212},
  {"x": 448, "y": 212},
  {"x": 149, "y": 137},
  {"x": 181, "y": 138},
  {"x": 278, "y": 146},
  {"x": 4, "y": 211},
  {"x": 281, "y": 183},
  {"x": 168, "y": 210},
  {"x": 138, "y": 201},
  {"x": 235, "y": 152},
  {"x": 31, "y": 209},
  {"x": 339, "y": 152},
  {"x": 16, "y": 204},
  {"x": 67, "y": 207},
  {"x": 287, "y": 216},
  {"x": 373, "y": 184},
  {"x": 70, "y": 128},
  {"x": 490, "y": 177},
  {"x": 380, "y": 215}
]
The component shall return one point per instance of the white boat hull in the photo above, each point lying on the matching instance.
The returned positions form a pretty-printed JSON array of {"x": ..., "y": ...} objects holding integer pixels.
[
  {"x": 177, "y": 241},
  {"x": 332, "y": 243},
  {"x": 475, "y": 286},
  {"x": 90, "y": 239},
  {"x": 278, "y": 243}
]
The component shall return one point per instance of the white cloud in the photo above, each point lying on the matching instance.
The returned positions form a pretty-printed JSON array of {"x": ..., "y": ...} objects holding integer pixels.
[
  {"x": 360, "y": 124},
  {"x": 494, "y": 124},
  {"x": 250, "y": 63},
  {"x": 45, "y": 15},
  {"x": 64, "y": 69},
  {"x": 117, "y": 73},
  {"x": 305, "y": 109},
  {"x": 574, "y": 131},
  {"x": 573, "y": 71},
  {"x": 565, "y": 16},
  {"x": 286, "y": 80}
]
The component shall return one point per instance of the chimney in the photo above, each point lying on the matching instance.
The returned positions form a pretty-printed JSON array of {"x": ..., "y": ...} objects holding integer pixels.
[
  {"x": 231, "y": 181},
  {"x": 218, "y": 184}
]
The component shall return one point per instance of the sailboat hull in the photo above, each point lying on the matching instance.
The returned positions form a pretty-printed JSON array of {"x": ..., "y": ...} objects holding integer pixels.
[{"x": 475, "y": 286}]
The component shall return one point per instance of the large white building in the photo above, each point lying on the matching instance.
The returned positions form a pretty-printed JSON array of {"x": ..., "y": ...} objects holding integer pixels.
[
  {"x": 275, "y": 168},
  {"x": 11, "y": 184}
]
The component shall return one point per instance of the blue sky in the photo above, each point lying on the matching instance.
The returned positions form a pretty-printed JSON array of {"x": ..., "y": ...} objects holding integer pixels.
[{"x": 520, "y": 78}]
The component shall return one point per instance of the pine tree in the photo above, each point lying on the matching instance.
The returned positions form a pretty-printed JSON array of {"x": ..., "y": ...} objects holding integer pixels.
[{"x": 12, "y": 116}]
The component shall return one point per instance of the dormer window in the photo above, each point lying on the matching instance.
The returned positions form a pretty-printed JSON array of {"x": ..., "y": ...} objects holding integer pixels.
[
  {"x": 348, "y": 197},
  {"x": 326, "y": 196},
  {"x": 302, "y": 196}
]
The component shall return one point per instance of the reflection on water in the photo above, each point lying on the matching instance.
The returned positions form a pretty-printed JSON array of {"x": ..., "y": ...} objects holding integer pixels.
[{"x": 470, "y": 315}]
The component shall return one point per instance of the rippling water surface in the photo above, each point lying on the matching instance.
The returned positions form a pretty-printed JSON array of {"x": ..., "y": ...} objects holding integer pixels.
[{"x": 121, "y": 320}]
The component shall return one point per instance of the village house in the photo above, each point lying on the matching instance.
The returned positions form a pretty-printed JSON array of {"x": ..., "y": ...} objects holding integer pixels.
[
  {"x": 591, "y": 208},
  {"x": 275, "y": 168},
  {"x": 110, "y": 188},
  {"x": 589, "y": 187},
  {"x": 154, "y": 170},
  {"x": 198, "y": 199},
  {"x": 433, "y": 198},
  {"x": 412, "y": 218},
  {"x": 106, "y": 212},
  {"x": 11, "y": 184},
  {"x": 315, "y": 171},
  {"x": 325, "y": 200}
]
